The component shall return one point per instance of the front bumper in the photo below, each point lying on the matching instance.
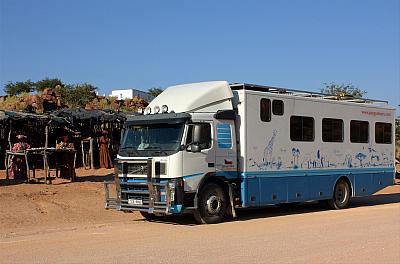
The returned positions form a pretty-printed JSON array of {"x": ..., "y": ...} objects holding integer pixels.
[
  {"x": 151, "y": 197},
  {"x": 152, "y": 194}
]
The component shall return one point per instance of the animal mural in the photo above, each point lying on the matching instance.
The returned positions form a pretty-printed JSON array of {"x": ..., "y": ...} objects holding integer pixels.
[
  {"x": 320, "y": 158},
  {"x": 267, "y": 158},
  {"x": 268, "y": 161}
]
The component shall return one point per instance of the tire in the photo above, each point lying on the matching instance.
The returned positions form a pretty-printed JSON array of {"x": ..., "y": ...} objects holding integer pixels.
[
  {"x": 341, "y": 195},
  {"x": 150, "y": 217},
  {"x": 212, "y": 205}
]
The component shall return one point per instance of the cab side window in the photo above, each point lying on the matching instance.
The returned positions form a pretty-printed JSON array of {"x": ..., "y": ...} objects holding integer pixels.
[{"x": 205, "y": 140}]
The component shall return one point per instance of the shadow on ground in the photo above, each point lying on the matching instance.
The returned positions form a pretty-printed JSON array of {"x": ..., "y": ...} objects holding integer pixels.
[
  {"x": 95, "y": 178},
  {"x": 4, "y": 182},
  {"x": 276, "y": 211}
]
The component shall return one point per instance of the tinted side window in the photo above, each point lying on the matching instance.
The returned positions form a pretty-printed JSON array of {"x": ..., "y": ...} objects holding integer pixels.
[
  {"x": 277, "y": 107},
  {"x": 359, "y": 131},
  {"x": 265, "y": 110},
  {"x": 383, "y": 133},
  {"x": 301, "y": 128},
  {"x": 205, "y": 141},
  {"x": 332, "y": 130}
]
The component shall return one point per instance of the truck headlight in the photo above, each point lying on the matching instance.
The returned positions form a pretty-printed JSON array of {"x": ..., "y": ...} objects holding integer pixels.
[{"x": 164, "y": 109}]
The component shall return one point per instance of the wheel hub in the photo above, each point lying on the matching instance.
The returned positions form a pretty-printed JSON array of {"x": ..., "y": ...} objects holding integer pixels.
[
  {"x": 341, "y": 194},
  {"x": 213, "y": 205}
]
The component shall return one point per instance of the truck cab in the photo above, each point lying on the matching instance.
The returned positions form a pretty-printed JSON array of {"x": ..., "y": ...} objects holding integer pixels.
[{"x": 180, "y": 155}]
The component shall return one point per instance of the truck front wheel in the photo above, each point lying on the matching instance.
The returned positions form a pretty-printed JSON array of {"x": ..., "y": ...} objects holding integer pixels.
[{"x": 211, "y": 204}]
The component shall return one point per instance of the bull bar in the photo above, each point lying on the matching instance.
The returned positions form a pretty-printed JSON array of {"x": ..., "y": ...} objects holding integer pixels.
[{"x": 151, "y": 196}]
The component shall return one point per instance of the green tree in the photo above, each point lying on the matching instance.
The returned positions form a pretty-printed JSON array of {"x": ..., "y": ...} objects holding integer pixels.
[
  {"x": 343, "y": 90},
  {"x": 47, "y": 83},
  {"x": 17, "y": 88},
  {"x": 155, "y": 91},
  {"x": 77, "y": 95}
]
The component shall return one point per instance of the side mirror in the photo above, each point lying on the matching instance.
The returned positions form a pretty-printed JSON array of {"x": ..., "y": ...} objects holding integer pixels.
[
  {"x": 197, "y": 131},
  {"x": 195, "y": 148}
]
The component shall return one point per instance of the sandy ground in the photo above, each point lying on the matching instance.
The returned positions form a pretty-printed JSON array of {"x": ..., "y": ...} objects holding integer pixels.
[
  {"x": 66, "y": 223},
  {"x": 34, "y": 207}
]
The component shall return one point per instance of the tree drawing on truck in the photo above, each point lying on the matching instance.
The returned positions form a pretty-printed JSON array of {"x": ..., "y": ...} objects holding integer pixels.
[
  {"x": 374, "y": 157},
  {"x": 296, "y": 154},
  {"x": 385, "y": 158},
  {"x": 267, "y": 158},
  {"x": 361, "y": 156},
  {"x": 322, "y": 159},
  {"x": 279, "y": 163}
]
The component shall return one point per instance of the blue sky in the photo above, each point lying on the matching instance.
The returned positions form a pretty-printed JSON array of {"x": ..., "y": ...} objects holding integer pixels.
[{"x": 142, "y": 44}]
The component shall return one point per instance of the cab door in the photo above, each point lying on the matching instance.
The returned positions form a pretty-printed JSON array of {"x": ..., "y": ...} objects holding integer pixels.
[
  {"x": 197, "y": 164},
  {"x": 225, "y": 148}
]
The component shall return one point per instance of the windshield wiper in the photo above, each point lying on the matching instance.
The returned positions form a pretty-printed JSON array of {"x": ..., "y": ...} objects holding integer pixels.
[
  {"x": 161, "y": 152},
  {"x": 153, "y": 147},
  {"x": 126, "y": 148},
  {"x": 129, "y": 150}
]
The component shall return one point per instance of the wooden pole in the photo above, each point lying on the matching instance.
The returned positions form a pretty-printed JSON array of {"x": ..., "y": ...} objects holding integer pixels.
[
  {"x": 7, "y": 165},
  {"x": 46, "y": 131},
  {"x": 9, "y": 136},
  {"x": 83, "y": 155},
  {"x": 27, "y": 167},
  {"x": 7, "y": 156},
  {"x": 46, "y": 144},
  {"x": 91, "y": 154}
]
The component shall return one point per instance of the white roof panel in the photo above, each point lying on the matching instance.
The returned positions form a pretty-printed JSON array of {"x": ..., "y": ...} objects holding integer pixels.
[{"x": 194, "y": 96}]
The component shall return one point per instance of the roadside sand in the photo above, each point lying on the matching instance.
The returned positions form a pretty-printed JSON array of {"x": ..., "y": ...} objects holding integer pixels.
[{"x": 32, "y": 207}]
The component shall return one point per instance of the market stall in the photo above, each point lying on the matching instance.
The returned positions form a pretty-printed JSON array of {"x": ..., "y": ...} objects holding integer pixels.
[{"x": 45, "y": 134}]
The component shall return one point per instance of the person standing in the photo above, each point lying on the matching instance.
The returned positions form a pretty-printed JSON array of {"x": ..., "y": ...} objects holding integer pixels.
[
  {"x": 105, "y": 157},
  {"x": 18, "y": 163},
  {"x": 66, "y": 158}
]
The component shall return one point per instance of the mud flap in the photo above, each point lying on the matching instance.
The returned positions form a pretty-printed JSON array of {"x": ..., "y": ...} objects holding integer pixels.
[{"x": 233, "y": 212}]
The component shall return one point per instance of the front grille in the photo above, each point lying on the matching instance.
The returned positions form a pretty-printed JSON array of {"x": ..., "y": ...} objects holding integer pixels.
[
  {"x": 134, "y": 168},
  {"x": 140, "y": 168}
]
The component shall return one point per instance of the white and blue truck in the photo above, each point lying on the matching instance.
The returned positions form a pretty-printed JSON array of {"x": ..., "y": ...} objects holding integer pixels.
[{"x": 211, "y": 148}]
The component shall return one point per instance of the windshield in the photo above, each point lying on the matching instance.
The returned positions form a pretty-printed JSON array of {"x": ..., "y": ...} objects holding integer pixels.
[{"x": 151, "y": 140}]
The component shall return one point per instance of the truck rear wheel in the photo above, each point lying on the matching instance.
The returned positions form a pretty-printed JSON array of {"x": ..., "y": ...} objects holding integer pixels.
[
  {"x": 341, "y": 195},
  {"x": 211, "y": 204}
]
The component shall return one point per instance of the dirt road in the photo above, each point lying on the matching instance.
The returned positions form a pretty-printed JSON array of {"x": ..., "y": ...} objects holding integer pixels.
[{"x": 368, "y": 232}]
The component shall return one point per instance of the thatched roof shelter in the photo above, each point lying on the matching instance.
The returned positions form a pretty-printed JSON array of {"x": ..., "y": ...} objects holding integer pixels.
[{"x": 43, "y": 130}]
